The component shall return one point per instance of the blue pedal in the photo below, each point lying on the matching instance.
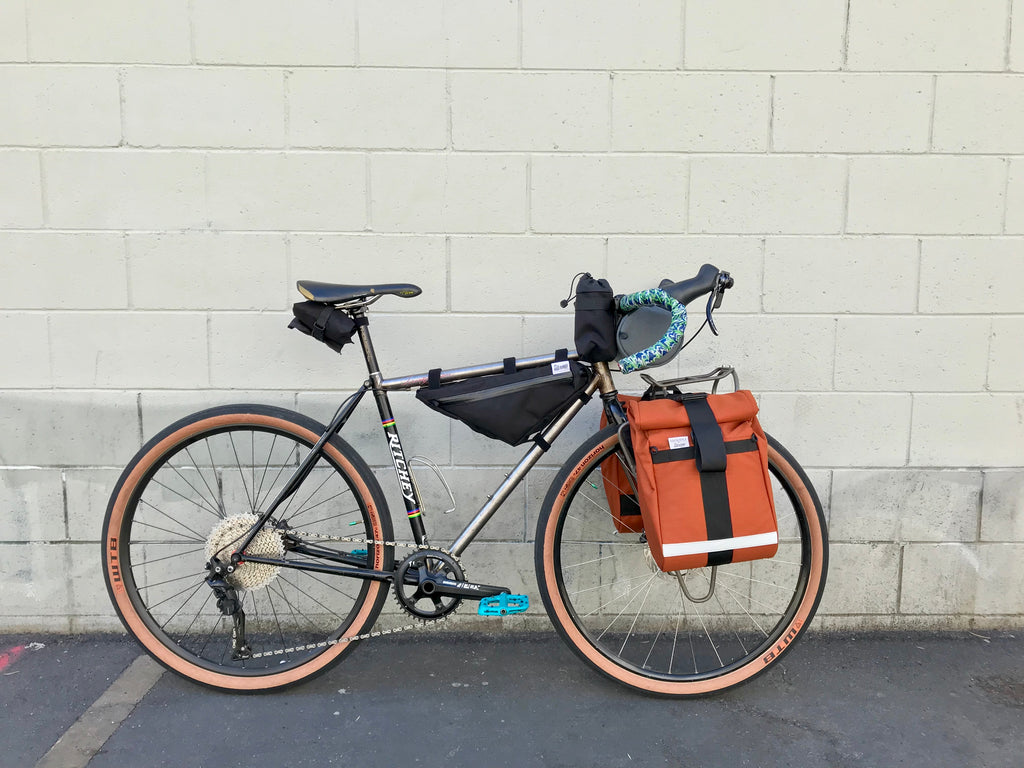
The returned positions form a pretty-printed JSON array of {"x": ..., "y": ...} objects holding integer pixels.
[
  {"x": 359, "y": 553},
  {"x": 503, "y": 605}
]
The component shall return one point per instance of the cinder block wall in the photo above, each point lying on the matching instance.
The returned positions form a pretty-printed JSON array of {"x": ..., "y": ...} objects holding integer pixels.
[{"x": 170, "y": 168}]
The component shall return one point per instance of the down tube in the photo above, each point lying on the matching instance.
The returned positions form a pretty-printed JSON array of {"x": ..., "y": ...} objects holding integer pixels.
[{"x": 517, "y": 474}]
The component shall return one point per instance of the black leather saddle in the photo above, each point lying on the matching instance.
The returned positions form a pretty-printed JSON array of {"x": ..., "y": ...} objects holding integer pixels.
[{"x": 336, "y": 293}]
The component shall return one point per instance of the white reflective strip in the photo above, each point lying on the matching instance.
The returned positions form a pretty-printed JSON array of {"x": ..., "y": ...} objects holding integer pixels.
[{"x": 718, "y": 545}]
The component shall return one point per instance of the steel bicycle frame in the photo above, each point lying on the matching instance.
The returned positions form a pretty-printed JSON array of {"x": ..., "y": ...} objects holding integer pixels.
[{"x": 350, "y": 565}]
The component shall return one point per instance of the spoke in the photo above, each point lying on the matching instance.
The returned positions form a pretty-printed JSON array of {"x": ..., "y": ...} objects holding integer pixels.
[
  {"x": 707, "y": 634},
  {"x": 302, "y": 511},
  {"x": 169, "y": 581},
  {"x": 653, "y": 644},
  {"x": 287, "y": 602},
  {"x": 339, "y": 590},
  {"x": 173, "y": 520},
  {"x": 165, "y": 530},
  {"x": 302, "y": 506},
  {"x": 588, "y": 562},
  {"x": 241, "y": 474},
  {"x": 284, "y": 464},
  {"x": 303, "y": 592},
  {"x": 202, "y": 477},
  {"x": 202, "y": 506},
  {"x": 629, "y": 633},
  {"x": 726, "y": 613},
  {"x": 165, "y": 557},
  {"x": 194, "y": 618},
  {"x": 186, "y": 589},
  {"x": 619, "y": 597},
  {"x": 332, "y": 517},
  {"x": 770, "y": 608},
  {"x": 753, "y": 580},
  {"x": 252, "y": 446},
  {"x": 273, "y": 608},
  {"x": 617, "y": 582},
  {"x": 263, "y": 477},
  {"x": 316, "y": 629},
  {"x": 622, "y": 611},
  {"x": 605, "y": 511},
  {"x": 742, "y": 608}
]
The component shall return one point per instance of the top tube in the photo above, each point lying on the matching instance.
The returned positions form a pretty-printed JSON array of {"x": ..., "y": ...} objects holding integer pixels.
[{"x": 453, "y": 374}]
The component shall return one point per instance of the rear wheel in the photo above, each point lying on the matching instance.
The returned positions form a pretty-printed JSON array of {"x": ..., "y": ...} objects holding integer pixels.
[
  {"x": 190, "y": 494},
  {"x": 679, "y": 634}
]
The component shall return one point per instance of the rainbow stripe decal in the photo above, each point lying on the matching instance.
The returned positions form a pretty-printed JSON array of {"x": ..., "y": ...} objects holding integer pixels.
[
  {"x": 388, "y": 423},
  {"x": 414, "y": 513}
]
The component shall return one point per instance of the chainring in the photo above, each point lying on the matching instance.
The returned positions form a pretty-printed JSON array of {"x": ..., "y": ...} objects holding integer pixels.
[{"x": 419, "y": 599}]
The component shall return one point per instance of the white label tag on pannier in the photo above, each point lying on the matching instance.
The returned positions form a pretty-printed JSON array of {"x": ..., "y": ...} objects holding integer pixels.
[
  {"x": 678, "y": 442},
  {"x": 562, "y": 367}
]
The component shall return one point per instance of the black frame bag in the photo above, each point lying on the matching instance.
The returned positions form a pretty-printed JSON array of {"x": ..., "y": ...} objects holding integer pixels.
[
  {"x": 595, "y": 320},
  {"x": 324, "y": 323},
  {"x": 511, "y": 406}
]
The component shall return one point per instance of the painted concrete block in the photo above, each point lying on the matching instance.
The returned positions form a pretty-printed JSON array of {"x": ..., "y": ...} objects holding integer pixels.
[
  {"x": 308, "y": 32},
  {"x": 32, "y": 501},
  {"x": 46, "y": 106},
  {"x": 67, "y": 428},
  {"x": 905, "y": 505},
  {"x": 1002, "y": 511}
]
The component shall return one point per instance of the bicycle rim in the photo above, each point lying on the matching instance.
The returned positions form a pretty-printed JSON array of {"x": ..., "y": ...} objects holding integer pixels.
[
  {"x": 192, "y": 492},
  {"x": 691, "y": 632}
]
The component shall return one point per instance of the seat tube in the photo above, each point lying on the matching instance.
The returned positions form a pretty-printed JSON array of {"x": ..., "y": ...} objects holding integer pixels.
[{"x": 413, "y": 507}]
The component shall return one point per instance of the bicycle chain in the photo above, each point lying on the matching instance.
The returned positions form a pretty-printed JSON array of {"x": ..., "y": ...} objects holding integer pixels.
[{"x": 424, "y": 624}]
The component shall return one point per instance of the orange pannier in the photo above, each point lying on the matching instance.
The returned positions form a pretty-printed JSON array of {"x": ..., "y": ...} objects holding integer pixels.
[
  {"x": 622, "y": 503},
  {"x": 702, "y": 479}
]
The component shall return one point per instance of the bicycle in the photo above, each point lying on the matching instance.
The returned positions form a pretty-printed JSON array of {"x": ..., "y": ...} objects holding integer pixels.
[{"x": 249, "y": 548}]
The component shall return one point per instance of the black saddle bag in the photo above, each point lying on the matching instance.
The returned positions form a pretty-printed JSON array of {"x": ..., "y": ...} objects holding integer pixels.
[
  {"x": 511, "y": 406},
  {"x": 324, "y": 323}
]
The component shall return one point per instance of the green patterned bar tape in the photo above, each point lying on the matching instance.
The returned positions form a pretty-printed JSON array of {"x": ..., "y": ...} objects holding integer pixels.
[{"x": 654, "y": 297}]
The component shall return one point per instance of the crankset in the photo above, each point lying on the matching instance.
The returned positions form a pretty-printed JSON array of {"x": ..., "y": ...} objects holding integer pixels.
[{"x": 430, "y": 584}]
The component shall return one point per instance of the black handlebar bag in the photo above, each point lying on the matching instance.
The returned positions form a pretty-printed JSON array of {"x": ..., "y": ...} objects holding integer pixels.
[
  {"x": 595, "y": 320},
  {"x": 512, "y": 406}
]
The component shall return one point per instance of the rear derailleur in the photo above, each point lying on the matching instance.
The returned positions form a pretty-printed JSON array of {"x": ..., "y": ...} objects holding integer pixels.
[{"x": 229, "y": 604}]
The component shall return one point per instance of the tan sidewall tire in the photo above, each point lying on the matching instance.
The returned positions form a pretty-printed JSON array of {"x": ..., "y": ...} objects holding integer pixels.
[
  {"x": 138, "y": 627},
  {"x": 560, "y": 614}
]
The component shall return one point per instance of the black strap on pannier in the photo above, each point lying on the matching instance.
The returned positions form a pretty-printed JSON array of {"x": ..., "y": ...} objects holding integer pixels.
[{"x": 710, "y": 453}]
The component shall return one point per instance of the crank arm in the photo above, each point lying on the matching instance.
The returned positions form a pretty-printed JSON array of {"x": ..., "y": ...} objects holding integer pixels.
[{"x": 450, "y": 588}]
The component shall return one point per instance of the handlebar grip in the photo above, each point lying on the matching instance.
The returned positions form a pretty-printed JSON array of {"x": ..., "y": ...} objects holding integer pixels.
[{"x": 655, "y": 297}]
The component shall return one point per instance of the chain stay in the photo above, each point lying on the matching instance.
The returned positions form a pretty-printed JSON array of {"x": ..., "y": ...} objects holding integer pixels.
[{"x": 366, "y": 635}]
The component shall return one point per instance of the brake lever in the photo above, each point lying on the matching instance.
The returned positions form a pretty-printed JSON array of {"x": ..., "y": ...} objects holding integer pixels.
[
  {"x": 713, "y": 298},
  {"x": 722, "y": 282}
]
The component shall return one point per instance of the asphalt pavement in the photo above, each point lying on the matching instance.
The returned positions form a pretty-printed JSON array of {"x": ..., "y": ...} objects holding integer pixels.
[{"x": 520, "y": 700}]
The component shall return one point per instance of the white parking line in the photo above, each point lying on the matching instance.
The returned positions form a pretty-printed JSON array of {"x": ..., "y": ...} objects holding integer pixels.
[{"x": 97, "y": 724}]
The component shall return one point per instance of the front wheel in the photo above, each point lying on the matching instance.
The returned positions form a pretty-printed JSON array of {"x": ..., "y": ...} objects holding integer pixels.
[
  {"x": 677, "y": 634},
  {"x": 190, "y": 494}
]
